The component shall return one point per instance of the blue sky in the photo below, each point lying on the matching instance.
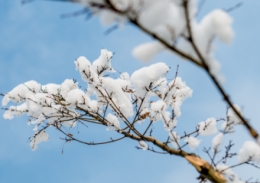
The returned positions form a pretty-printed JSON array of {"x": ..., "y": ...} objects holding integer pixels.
[{"x": 36, "y": 44}]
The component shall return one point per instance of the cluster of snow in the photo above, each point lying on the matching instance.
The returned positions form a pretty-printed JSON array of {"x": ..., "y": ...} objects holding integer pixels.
[
  {"x": 217, "y": 24},
  {"x": 150, "y": 81},
  {"x": 143, "y": 145},
  {"x": 113, "y": 123},
  {"x": 216, "y": 142},
  {"x": 249, "y": 152},
  {"x": 38, "y": 137},
  {"x": 232, "y": 116},
  {"x": 147, "y": 89},
  {"x": 193, "y": 142},
  {"x": 232, "y": 120},
  {"x": 208, "y": 127},
  {"x": 18, "y": 94},
  {"x": 144, "y": 77}
]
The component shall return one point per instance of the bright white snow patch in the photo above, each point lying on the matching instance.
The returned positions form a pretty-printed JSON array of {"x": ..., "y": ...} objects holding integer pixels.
[
  {"x": 18, "y": 94},
  {"x": 15, "y": 111},
  {"x": 142, "y": 78},
  {"x": 103, "y": 63},
  {"x": 38, "y": 137},
  {"x": 249, "y": 151},
  {"x": 232, "y": 116},
  {"x": 118, "y": 97},
  {"x": 147, "y": 51},
  {"x": 143, "y": 145},
  {"x": 113, "y": 123},
  {"x": 192, "y": 142},
  {"x": 217, "y": 141},
  {"x": 208, "y": 127}
]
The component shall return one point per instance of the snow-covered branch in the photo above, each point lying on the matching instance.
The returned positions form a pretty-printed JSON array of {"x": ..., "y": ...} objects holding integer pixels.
[{"x": 124, "y": 105}]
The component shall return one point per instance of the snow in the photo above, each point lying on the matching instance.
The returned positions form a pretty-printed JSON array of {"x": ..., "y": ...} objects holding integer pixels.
[
  {"x": 217, "y": 141},
  {"x": 15, "y": 111},
  {"x": 232, "y": 120},
  {"x": 118, "y": 97},
  {"x": 113, "y": 123},
  {"x": 163, "y": 18},
  {"x": 77, "y": 96},
  {"x": 103, "y": 64},
  {"x": 249, "y": 151},
  {"x": 18, "y": 94},
  {"x": 217, "y": 24},
  {"x": 147, "y": 51},
  {"x": 192, "y": 142},
  {"x": 170, "y": 124},
  {"x": 67, "y": 86},
  {"x": 142, "y": 78},
  {"x": 222, "y": 22},
  {"x": 208, "y": 127},
  {"x": 157, "y": 110},
  {"x": 51, "y": 88},
  {"x": 63, "y": 104},
  {"x": 38, "y": 138},
  {"x": 83, "y": 65},
  {"x": 40, "y": 119},
  {"x": 176, "y": 93},
  {"x": 232, "y": 117},
  {"x": 143, "y": 145}
]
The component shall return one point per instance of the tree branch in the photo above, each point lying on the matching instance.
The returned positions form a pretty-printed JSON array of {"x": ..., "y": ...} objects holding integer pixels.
[{"x": 251, "y": 130}]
